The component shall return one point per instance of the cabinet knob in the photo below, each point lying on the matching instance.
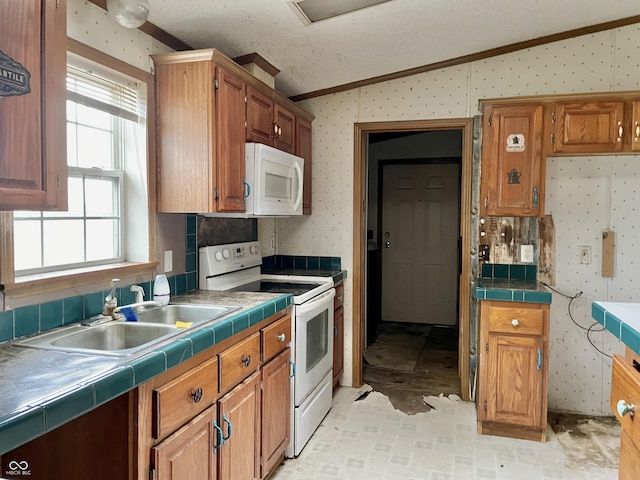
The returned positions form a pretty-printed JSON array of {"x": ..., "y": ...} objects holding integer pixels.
[
  {"x": 245, "y": 360},
  {"x": 637, "y": 137},
  {"x": 197, "y": 395},
  {"x": 281, "y": 338},
  {"x": 515, "y": 322},
  {"x": 624, "y": 408}
]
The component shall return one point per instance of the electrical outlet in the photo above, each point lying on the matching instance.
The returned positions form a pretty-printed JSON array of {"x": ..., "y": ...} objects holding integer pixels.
[
  {"x": 168, "y": 261},
  {"x": 526, "y": 253},
  {"x": 585, "y": 255}
]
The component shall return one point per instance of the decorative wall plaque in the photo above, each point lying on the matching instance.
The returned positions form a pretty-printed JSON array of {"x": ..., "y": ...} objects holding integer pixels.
[
  {"x": 14, "y": 78},
  {"x": 515, "y": 142}
]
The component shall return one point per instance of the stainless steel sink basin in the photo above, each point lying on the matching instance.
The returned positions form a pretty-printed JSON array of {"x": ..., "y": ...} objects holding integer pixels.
[
  {"x": 120, "y": 338},
  {"x": 186, "y": 313},
  {"x": 115, "y": 338}
]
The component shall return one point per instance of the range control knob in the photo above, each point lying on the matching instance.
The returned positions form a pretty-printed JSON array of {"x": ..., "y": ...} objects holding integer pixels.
[
  {"x": 225, "y": 253},
  {"x": 253, "y": 249},
  {"x": 218, "y": 256}
]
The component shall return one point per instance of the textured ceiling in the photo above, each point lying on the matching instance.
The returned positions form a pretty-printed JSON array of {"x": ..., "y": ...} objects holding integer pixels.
[{"x": 391, "y": 37}]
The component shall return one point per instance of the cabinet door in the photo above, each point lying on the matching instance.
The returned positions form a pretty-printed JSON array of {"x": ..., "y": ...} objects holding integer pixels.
[
  {"x": 276, "y": 410},
  {"x": 259, "y": 117},
  {"x": 303, "y": 149},
  {"x": 285, "y": 123},
  {"x": 514, "y": 380},
  {"x": 338, "y": 344},
  {"x": 240, "y": 422},
  {"x": 230, "y": 142},
  {"x": 635, "y": 126},
  {"x": 189, "y": 453},
  {"x": 589, "y": 127},
  {"x": 512, "y": 161},
  {"x": 33, "y": 159}
]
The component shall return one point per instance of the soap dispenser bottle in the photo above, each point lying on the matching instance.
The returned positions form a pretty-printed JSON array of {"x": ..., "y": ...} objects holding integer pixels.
[{"x": 161, "y": 292}]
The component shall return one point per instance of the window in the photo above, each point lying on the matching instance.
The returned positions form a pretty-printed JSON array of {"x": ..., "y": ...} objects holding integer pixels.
[{"x": 107, "y": 184}]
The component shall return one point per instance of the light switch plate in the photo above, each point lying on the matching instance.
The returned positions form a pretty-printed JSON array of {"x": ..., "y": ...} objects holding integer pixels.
[
  {"x": 526, "y": 253},
  {"x": 168, "y": 261}
]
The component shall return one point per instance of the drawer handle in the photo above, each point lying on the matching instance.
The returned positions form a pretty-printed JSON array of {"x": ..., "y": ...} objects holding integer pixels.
[
  {"x": 515, "y": 322},
  {"x": 293, "y": 369},
  {"x": 246, "y": 360},
  {"x": 197, "y": 395},
  {"x": 219, "y": 436},
  {"x": 637, "y": 137},
  {"x": 539, "y": 366},
  {"x": 281, "y": 338},
  {"x": 620, "y": 132},
  {"x": 226, "y": 420},
  {"x": 624, "y": 408}
]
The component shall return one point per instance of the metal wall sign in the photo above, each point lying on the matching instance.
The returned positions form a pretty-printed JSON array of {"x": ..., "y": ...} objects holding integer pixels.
[{"x": 14, "y": 78}]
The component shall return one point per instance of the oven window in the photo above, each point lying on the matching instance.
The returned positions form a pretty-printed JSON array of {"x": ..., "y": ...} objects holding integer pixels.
[{"x": 317, "y": 339}]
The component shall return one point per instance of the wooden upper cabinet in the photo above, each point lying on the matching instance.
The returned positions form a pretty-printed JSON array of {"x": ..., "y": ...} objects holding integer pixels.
[
  {"x": 260, "y": 123},
  {"x": 269, "y": 122},
  {"x": 303, "y": 149},
  {"x": 201, "y": 134},
  {"x": 285, "y": 124},
  {"x": 635, "y": 126},
  {"x": 590, "y": 127},
  {"x": 33, "y": 159},
  {"x": 512, "y": 161}
]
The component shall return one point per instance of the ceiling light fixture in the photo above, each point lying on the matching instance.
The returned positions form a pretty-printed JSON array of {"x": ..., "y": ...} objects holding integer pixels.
[
  {"x": 311, "y": 11},
  {"x": 129, "y": 13}
]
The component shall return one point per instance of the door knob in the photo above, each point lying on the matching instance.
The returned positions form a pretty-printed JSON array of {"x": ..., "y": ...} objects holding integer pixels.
[
  {"x": 387, "y": 234},
  {"x": 387, "y": 244}
]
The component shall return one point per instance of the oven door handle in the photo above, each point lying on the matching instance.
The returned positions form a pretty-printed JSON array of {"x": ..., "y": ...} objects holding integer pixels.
[{"x": 314, "y": 302}]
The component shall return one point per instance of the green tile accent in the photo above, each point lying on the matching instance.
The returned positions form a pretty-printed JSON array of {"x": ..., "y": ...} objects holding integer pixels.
[
  {"x": 517, "y": 296},
  {"x": 487, "y": 270},
  {"x": 172, "y": 285},
  {"x": 598, "y": 314},
  {"x": 181, "y": 284},
  {"x": 325, "y": 263},
  {"x": 72, "y": 405},
  {"x": 500, "y": 271},
  {"x": 73, "y": 310},
  {"x": 202, "y": 339},
  {"x": 23, "y": 427},
  {"x": 300, "y": 262},
  {"x": 148, "y": 367},
  {"x": 191, "y": 243},
  {"x": 335, "y": 263},
  {"x": 191, "y": 262},
  {"x": 481, "y": 294},
  {"x": 94, "y": 302},
  {"x": 282, "y": 303},
  {"x": 255, "y": 315},
  {"x": 630, "y": 337},
  {"x": 240, "y": 322},
  {"x": 537, "y": 297},
  {"x": 313, "y": 263},
  {"x": 191, "y": 226},
  {"x": 127, "y": 297},
  {"x": 613, "y": 324},
  {"x": 6, "y": 326},
  {"x": 517, "y": 271},
  {"x": 494, "y": 294},
  {"x": 50, "y": 315},
  {"x": 223, "y": 330},
  {"x": 531, "y": 272},
  {"x": 269, "y": 309},
  {"x": 192, "y": 281},
  {"x": 115, "y": 384},
  {"x": 27, "y": 320},
  {"x": 177, "y": 352}
]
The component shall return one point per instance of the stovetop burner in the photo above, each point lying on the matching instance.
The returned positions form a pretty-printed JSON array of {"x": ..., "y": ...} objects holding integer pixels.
[{"x": 268, "y": 286}]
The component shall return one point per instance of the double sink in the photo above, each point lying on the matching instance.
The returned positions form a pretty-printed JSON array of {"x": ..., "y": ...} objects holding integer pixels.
[{"x": 125, "y": 338}]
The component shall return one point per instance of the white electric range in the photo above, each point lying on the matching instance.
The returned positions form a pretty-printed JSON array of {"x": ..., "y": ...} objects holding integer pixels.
[{"x": 237, "y": 267}]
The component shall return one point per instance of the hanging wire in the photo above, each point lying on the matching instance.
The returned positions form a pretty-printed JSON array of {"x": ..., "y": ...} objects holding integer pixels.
[{"x": 588, "y": 329}]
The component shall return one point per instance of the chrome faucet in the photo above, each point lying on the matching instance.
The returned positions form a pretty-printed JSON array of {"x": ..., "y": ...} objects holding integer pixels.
[
  {"x": 110, "y": 301},
  {"x": 137, "y": 307}
]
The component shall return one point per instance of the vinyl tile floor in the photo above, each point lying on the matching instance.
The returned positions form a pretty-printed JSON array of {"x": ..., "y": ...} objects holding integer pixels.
[{"x": 368, "y": 438}]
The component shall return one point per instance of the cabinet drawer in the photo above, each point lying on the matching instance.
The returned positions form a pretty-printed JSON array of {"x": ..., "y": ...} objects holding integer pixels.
[
  {"x": 338, "y": 300},
  {"x": 522, "y": 321},
  {"x": 276, "y": 337},
  {"x": 181, "y": 399},
  {"x": 239, "y": 361},
  {"x": 625, "y": 385}
]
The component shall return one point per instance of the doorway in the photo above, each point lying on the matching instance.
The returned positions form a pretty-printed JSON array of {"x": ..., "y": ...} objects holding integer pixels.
[{"x": 362, "y": 255}]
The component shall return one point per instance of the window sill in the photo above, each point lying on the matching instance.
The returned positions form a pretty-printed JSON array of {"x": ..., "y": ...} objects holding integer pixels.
[{"x": 54, "y": 281}]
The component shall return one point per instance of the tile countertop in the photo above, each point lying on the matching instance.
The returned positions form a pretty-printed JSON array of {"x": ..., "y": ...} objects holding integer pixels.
[
  {"x": 43, "y": 389},
  {"x": 621, "y": 319},
  {"x": 511, "y": 290}
]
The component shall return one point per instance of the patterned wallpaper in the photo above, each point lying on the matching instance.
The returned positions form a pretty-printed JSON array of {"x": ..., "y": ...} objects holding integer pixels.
[{"x": 579, "y": 376}]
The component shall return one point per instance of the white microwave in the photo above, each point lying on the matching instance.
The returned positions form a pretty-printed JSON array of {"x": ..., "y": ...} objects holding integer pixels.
[{"x": 273, "y": 181}]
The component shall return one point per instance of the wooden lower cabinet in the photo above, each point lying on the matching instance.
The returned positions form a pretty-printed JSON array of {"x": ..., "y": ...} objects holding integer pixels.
[
  {"x": 513, "y": 369},
  {"x": 239, "y": 417},
  {"x": 276, "y": 411},
  {"x": 190, "y": 452}
]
